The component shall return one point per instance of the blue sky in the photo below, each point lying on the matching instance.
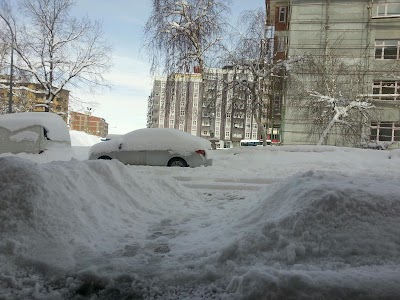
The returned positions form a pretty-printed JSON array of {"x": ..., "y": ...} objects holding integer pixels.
[{"x": 124, "y": 106}]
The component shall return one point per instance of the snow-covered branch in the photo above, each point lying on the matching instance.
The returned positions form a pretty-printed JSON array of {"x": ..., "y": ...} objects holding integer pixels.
[{"x": 341, "y": 108}]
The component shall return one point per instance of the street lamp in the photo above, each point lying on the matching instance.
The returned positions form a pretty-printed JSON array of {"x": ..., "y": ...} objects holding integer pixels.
[{"x": 10, "y": 95}]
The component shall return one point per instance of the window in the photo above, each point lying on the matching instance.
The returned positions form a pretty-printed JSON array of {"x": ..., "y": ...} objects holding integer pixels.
[
  {"x": 388, "y": 8},
  {"x": 182, "y": 112},
  {"x": 385, "y": 131},
  {"x": 227, "y": 134},
  {"x": 228, "y": 115},
  {"x": 171, "y": 122},
  {"x": 247, "y": 135},
  {"x": 387, "y": 49},
  {"x": 205, "y": 122},
  {"x": 282, "y": 42},
  {"x": 282, "y": 14},
  {"x": 386, "y": 90},
  {"x": 194, "y": 122}
]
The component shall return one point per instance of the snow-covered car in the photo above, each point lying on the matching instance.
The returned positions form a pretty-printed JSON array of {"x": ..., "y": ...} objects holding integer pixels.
[
  {"x": 32, "y": 132},
  {"x": 155, "y": 147}
]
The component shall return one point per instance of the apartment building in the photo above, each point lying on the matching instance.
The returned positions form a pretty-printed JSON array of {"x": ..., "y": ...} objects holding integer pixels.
[
  {"x": 87, "y": 123},
  {"x": 27, "y": 97},
  {"x": 365, "y": 33},
  {"x": 210, "y": 108}
]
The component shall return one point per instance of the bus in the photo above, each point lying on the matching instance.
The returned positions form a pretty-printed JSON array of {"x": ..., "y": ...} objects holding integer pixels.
[{"x": 251, "y": 143}]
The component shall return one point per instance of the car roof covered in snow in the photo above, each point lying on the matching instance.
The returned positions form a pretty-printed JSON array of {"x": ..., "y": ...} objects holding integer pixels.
[
  {"x": 174, "y": 140},
  {"x": 57, "y": 129}
]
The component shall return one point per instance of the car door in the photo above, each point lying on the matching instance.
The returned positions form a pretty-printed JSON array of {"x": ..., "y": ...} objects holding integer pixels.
[
  {"x": 157, "y": 157},
  {"x": 130, "y": 157}
]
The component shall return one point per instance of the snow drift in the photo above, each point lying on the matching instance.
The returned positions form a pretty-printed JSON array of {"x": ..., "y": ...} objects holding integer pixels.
[{"x": 84, "y": 228}]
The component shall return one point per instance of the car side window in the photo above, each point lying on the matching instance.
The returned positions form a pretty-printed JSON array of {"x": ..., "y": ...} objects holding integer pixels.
[{"x": 45, "y": 134}]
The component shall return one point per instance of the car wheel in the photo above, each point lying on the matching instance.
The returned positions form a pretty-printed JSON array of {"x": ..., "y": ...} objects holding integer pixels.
[
  {"x": 105, "y": 157},
  {"x": 177, "y": 162}
]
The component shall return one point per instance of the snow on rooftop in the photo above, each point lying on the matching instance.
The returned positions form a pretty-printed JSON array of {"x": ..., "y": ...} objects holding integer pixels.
[{"x": 57, "y": 129}]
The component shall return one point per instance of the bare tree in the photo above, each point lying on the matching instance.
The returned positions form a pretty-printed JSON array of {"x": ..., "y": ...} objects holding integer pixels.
[
  {"x": 328, "y": 92},
  {"x": 59, "y": 51},
  {"x": 179, "y": 34},
  {"x": 255, "y": 69}
]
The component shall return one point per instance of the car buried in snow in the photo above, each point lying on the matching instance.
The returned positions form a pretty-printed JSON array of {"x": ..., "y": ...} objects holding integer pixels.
[
  {"x": 32, "y": 132},
  {"x": 155, "y": 147}
]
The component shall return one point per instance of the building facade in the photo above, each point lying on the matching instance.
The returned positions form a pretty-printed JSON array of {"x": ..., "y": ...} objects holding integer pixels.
[
  {"x": 210, "y": 108},
  {"x": 27, "y": 97},
  {"x": 87, "y": 123},
  {"x": 362, "y": 33}
]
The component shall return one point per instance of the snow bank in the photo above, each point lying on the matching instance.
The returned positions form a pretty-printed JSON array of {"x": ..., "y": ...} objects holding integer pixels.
[
  {"x": 82, "y": 139},
  {"x": 62, "y": 217},
  {"x": 101, "y": 229},
  {"x": 320, "y": 234}
]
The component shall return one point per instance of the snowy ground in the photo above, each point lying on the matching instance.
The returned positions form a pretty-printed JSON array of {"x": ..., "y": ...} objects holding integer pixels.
[{"x": 261, "y": 223}]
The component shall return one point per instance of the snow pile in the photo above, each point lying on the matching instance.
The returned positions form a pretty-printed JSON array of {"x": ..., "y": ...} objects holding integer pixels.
[
  {"x": 45, "y": 222},
  {"x": 394, "y": 154},
  {"x": 320, "y": 234},
  {"x": 81, "y": 143},
  {"x": 82, "y": 139},
  {"x": 321, "y": 225}
]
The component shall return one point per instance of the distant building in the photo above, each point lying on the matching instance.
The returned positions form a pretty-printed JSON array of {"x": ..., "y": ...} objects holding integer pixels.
[
  {"x": 27, "y": 97},
  {"x": 87, "y": 123},
  {"x": 206, "y": 108}
]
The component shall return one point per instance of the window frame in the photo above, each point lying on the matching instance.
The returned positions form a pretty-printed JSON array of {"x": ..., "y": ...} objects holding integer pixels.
[
  {"x": 381, "y": 44},
  {"x": 380, "y": 126},
  {"x": 381, "y": 96},
  {"x": 385, "y": 5},
  {"x": 282, "y": 11}
]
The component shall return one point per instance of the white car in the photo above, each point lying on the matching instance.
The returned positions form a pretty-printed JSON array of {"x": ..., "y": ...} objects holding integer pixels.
[
  {"x": 155, "y": 147},
  {"x": 32, "y": 132}
]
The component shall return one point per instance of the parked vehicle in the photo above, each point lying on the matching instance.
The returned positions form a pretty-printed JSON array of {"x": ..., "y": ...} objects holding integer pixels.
[
  {"x": 246, "y": 143},
  {"x": 32, "y": 132},
  {"x": 155, "y": 147}
]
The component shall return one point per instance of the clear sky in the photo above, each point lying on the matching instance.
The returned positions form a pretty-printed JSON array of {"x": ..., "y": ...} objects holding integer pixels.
[{"x": 124, "y": 106}]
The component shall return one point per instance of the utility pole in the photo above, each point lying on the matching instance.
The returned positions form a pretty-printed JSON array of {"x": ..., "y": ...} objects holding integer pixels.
[{"x": 10, "y": 95}]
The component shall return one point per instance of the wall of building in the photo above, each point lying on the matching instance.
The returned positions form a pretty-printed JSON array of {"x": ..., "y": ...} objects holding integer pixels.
[
  {"x": 87, "y": 123},
  {"x": 27, "y": 97},
  {"x": 349, "y": 30}
]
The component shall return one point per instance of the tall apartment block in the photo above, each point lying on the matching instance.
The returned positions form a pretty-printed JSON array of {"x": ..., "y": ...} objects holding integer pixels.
[
  {"x": 363, "y": 32},
  {"x": 207, "y": 107}
]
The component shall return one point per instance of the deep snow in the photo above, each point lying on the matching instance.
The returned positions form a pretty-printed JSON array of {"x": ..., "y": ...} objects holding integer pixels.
[{"x": 261, "y": 223}]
